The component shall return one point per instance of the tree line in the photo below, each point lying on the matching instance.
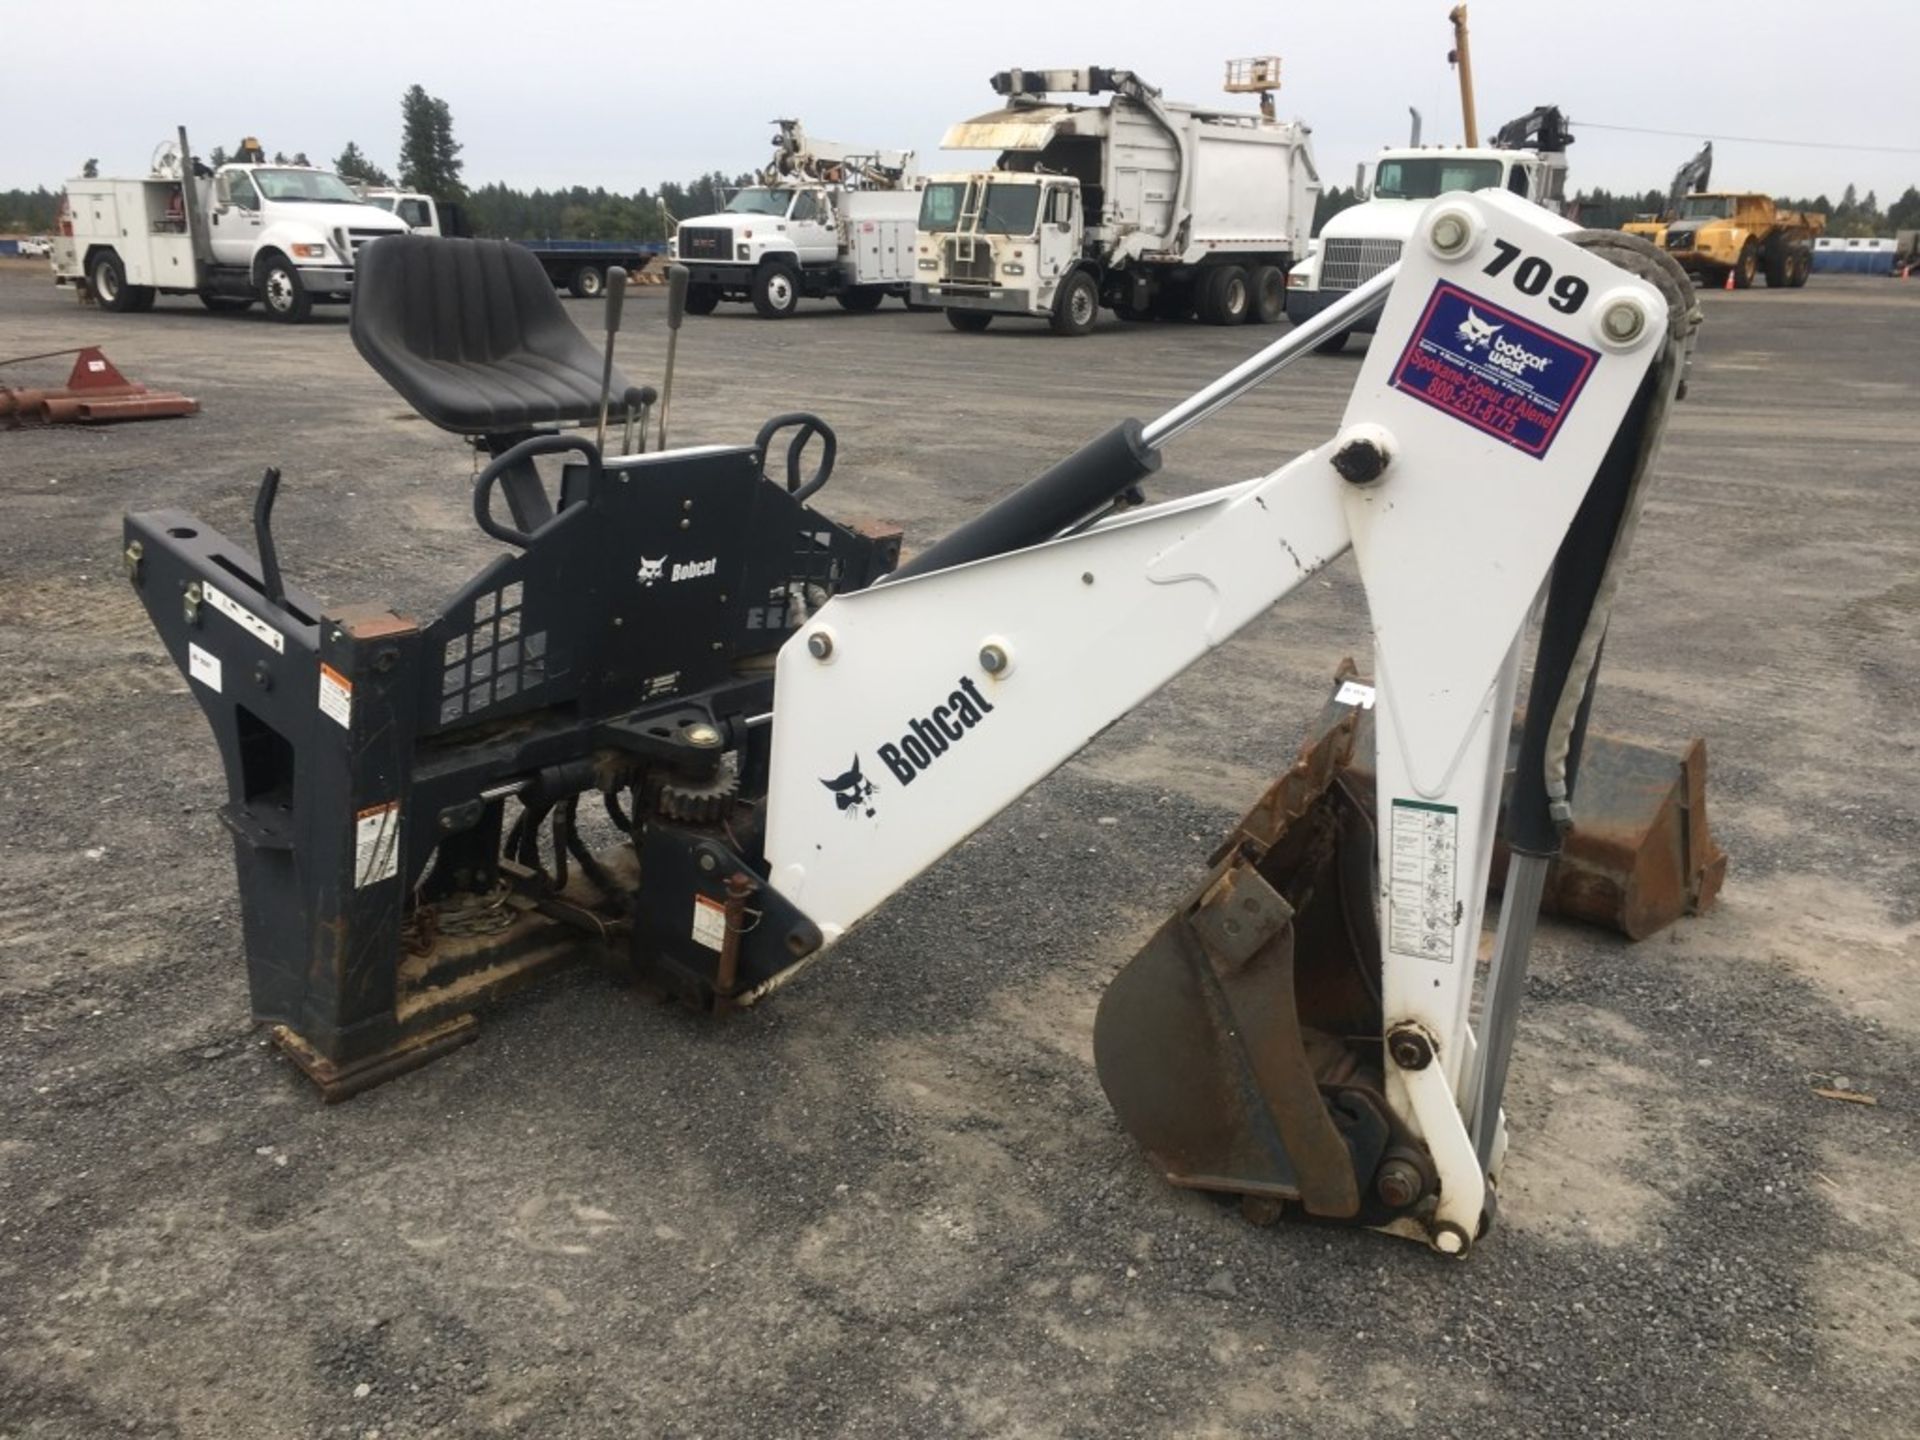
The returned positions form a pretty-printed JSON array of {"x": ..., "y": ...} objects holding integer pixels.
[{"x": 429, "y": 161}]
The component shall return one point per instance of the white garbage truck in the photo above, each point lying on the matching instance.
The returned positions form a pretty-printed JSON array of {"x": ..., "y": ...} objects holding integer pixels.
[
  {"x": 1152, "y": 208},
  {"x": 826, "y": 220},
  {"x": 1527, "y": 157},
  {"x": 284, "y": 235}
]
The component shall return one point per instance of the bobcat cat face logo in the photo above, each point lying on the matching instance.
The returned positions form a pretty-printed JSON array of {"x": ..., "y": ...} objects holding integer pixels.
[
  {"x": 652, "y": 570},
  {"x": 853, "y": 792},
  {"x": 1476, "y": 333}
]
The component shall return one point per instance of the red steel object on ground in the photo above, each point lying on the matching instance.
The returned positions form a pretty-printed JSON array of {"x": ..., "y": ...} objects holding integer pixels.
[{"x": 96, "y": 393}]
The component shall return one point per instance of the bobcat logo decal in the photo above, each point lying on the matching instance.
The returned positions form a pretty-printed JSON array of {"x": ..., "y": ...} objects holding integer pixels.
[
  {"x": 853, "y": 791},
  {"x": 1475, "y": 333},
  {"x": 652, "y": 570}
]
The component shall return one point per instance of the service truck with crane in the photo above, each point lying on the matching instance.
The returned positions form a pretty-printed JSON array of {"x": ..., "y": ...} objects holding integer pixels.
[
  {"x": 826, "y": 220},
  {"x": 1526, "y": 157},
  {"x": 285, "y": 235},
  {"x": 1152, "y": 208}
]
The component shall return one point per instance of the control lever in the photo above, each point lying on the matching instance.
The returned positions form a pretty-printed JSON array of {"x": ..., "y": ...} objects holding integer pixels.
[
  {"x": 263, "y": 499},
  {"x": 676, "y": 312},
  {"x": 639, "y": 410},
  {"x": 616, "y": 301}
]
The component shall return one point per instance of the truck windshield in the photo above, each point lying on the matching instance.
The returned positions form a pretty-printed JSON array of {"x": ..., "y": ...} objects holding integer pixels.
[
  {"x": 760, "y": 201},
  {"x": 321, "y": 186},
  {"x": 1421, "y": 177},
  {"x": 1006, "y": 210},
  {"x": 1706, "y": 207}
]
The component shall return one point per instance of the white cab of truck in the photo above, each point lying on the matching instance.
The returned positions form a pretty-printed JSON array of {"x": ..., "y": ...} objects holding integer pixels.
[
  {"x": 283, "y": 235},
  {"x": 1362, "y": 240},
  {"x": 419, "y": 211},
  {"x": 1153, "y": 208}
]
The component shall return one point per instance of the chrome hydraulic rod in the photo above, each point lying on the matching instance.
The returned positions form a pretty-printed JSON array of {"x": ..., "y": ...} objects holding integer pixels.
[{"x": 1270, "y": 361}]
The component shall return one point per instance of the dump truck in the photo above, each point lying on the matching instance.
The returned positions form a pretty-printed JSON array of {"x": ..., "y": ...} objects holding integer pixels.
[
  {"x": 826, "y": 220},
  {"x": 1154, "y": 209},
  {"x": 1739, "y": 234},
  {"x": 1527, "y": 157},
  {"x": 287, "y": 236}
]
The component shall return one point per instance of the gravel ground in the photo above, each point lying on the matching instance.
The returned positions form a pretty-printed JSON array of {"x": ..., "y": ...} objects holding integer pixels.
[{"x": 893, "y": 1200}]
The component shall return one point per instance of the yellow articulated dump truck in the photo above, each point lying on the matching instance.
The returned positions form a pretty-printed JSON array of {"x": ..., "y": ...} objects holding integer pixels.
[{"x": 1722, "y": 233}]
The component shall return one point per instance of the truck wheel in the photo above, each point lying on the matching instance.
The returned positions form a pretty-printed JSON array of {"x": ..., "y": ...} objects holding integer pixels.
[
  {"x": 1747, "y": 266},
  {"x": 1333, "y": 344},
  {"x": 702, "y": 299},
  {"x": 108, "y": 279},
  {"x": 1802, "y": 267},
  {"x": 1223, "y": 297},
  {"x": 861, "y": 298},
  {"x": 1269, "y": 283},
  {"x": 970, "y": 322},
  {"x": 282, "y": 292},
  {"x": 225, "y": 304},
  {"x": 776, "y": 292},
  {"x": 1077, "y": 305},
  {"x": 588, "y": 282},
  {"x": 1779, "y": 263}
]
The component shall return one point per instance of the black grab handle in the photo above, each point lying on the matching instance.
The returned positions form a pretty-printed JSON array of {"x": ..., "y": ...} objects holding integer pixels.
[
  {"x": 509, "y": 460},
  {"x": 810, "y": 425}
]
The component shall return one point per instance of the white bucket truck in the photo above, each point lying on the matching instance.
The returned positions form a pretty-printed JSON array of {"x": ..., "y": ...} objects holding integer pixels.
[{"x": 825, "y": 220}]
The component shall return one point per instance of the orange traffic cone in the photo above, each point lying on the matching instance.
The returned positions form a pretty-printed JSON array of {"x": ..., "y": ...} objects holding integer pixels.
[{"x": 1729, "y": 284}]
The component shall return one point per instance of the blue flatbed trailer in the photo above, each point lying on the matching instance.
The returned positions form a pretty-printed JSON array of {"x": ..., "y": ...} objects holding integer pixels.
[{"x": 580, "y": 266}]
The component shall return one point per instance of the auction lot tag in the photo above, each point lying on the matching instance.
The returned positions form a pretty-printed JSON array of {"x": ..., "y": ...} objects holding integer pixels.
[{"x": 1487, "y": 366}]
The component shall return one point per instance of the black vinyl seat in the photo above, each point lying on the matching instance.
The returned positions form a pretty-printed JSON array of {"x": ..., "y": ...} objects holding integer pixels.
[{"x": 471, "y": 333}]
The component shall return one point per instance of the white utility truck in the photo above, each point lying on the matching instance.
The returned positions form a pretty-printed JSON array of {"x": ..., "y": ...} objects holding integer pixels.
[
  {"x": 285, "y": 235},
  {"x": 1155, "y": 209},
  {"x": 825, "y": 220},
  {"x": 1527, "y": 157}
]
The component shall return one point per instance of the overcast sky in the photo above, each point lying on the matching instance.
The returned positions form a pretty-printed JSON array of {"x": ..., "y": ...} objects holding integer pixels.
[{"x": 567, "y": 92}]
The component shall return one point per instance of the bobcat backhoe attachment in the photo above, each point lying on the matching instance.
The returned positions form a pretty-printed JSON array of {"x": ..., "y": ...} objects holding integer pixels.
[{"x": 782, "y": 728}]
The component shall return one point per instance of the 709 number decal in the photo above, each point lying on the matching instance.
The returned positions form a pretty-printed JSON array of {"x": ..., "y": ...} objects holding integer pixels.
[{"x": 1532, "y": 276}]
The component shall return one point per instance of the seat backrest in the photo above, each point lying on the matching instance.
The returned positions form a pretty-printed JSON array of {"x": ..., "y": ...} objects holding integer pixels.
[{"x": 471, "y": 333}]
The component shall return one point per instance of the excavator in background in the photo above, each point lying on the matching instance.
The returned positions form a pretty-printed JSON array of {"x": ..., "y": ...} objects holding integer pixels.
[
  {"x": 1691, "y": 178},
  {"x": 783, "y": 724}
]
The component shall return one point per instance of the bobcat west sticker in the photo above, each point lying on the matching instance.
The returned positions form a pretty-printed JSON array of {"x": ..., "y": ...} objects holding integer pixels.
[{"x": 1492, "y": 369}]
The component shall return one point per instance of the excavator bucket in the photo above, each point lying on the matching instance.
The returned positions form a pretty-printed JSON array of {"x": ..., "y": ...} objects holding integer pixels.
[
  {"x": 1227, "y": 1045},
  {"x": 1640, "y": 854},
  {"x": 1242, "y": 1046}
]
